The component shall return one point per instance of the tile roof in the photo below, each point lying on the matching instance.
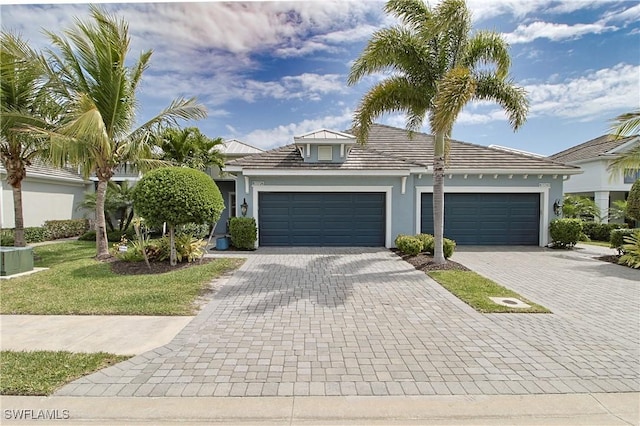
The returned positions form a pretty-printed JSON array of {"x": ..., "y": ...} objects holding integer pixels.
[
  {"x": 39, "y": 169},
  {"x": 594, "y": 148},
  {"x": 390, "y": 148}
]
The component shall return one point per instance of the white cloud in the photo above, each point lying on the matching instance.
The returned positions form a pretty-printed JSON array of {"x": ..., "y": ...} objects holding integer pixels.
[
  {"x": 283, "y": 134},
  {"x": 555, "y": 32},
  {"x": 592, "y": 96}
]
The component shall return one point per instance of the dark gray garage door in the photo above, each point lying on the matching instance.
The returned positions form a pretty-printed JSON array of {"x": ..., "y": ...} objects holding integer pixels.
[
  {"x": 487, "y": 219},
  {"x": 321, "y": 219}
]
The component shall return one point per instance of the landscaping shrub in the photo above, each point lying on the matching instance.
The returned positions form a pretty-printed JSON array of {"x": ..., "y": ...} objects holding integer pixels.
[
  {"x": 243, "y": 232},
  {"x": 112, "y": 236},
  {"x": 633, "y": 201},
  {"x": 6, "y": 237},
  {"x": 448, "y": 247},
  {"x": 617, "y": 238},
  {"x": 631, "y": 250},
  {"x": 409, "y": 245},
  {"x": 194, "y": 229},
  {"x": 565, "y": 233},
  {"x": 600, "y": 231},
  {"x": 66, "y": 228},
  {"x": 427, "y": 242},
  {"x": 37, "y": 234}
]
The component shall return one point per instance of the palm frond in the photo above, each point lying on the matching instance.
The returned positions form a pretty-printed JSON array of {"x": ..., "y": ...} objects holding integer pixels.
[
  {"x": 395, "y": 94},
  {"x": 627, "y": 163},
  {"x": 511, "y": 98},
  {"x": 454, "y": 91},
  {"x": 411, "y": 12},
  {"x": 488, "y": 47},
  {"x": 627, "y": 124}
]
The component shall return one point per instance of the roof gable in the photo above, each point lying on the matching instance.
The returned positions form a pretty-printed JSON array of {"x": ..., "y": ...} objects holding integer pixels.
[
  {"x": 234, "y": 147},
  {"x": 325, "y": 135},
  {"x": 599, "y": 147}
]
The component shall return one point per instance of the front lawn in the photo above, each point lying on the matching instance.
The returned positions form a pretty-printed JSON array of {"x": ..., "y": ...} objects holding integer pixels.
[
  {"x": 78, "y": 284},
  {"x": 475, "y": 290},
  {"x": 43, "y": 372}
]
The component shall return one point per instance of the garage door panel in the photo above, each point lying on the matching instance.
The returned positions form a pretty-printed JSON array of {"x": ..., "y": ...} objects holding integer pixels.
[
  {"x": 322, "y": 219},
  {"x": 487, "y": 219}
]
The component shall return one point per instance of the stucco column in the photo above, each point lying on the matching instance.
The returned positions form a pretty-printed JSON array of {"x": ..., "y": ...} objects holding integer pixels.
[{"x": 602, "y": 201}]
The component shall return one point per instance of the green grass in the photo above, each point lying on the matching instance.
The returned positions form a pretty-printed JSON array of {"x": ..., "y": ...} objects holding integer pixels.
[
  {"x": 78, "y": 284},
  {"x": 43, "y": 372},
  {"x": 475, "y": 290},
  {"x": 597, "y": 243}
]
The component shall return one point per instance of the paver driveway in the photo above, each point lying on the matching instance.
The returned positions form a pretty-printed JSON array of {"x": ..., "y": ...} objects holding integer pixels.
[{"x": 363, "y": 322}]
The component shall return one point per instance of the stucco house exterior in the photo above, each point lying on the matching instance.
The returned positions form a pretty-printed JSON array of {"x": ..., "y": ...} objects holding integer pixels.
[
  {"x": 596, "y": 182},
  {"x": 326, "y": 190},
  {"x": 48, "y": 193}
]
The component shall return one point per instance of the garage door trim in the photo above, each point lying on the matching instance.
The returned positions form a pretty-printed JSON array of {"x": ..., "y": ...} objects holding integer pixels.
[
  {"x": 542, "y": 189},
  {"x": 387, "y": 190}
]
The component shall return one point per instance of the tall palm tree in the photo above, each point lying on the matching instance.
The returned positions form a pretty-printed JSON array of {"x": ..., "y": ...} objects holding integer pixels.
[
  {"x": 189, "y": 147},
  {"x": 437, "y": 66},
  {"x": 89, "y": 78},
  {"x": 23, "y": 102},
  {"x": 626, "y": 125}
]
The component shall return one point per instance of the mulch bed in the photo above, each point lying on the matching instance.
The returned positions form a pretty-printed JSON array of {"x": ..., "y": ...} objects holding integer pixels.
[
  {"x": 424, "y": 262},
  {"x": 140, "y": 268},
  {"x": 610, "y": 258}
]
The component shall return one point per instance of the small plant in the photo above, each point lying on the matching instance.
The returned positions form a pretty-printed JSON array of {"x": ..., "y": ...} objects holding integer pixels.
[
  {"x": 244, "y": 232},
  {"x": 427, "y": 242},
  {"x": 408, "y": 245},
  {"x": 616, "y": 239},
  {"x": 189, "y": 248},
  {"x": 448, "y": 247},
  {"x": 631, "y": 250},
  {"x": 565, "y": 233}
]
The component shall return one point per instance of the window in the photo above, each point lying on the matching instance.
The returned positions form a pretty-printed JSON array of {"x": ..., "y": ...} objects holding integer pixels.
[
  {"x": 325, "y": 153},
  {"x": 630, "y": 175}
]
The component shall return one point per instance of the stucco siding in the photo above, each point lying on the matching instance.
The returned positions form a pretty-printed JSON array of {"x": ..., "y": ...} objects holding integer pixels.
[
  {"x": 43, "y": 200},
  {"x": 596, "y": 177},
  {"x": 404, "y": 206}
]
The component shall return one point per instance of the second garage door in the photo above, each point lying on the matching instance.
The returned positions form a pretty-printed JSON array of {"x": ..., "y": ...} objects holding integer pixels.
[
  {"x": 322, "y": 219},
  {"x": 487, "y": 219}
]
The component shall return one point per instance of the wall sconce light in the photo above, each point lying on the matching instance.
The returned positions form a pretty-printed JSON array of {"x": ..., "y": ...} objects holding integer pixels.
[
  {"x": 557, "y": 207},
  {"x": 244, "y": 207}
]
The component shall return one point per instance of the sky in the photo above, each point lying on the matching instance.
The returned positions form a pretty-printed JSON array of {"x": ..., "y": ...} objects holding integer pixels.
[{"x": 267, "y": 71}]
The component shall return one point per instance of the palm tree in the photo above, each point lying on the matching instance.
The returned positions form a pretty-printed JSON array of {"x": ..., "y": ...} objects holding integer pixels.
[
  {"x": 626, "y": 125},
  {"x": 23, "y": 103},
  {"x": 189, "y": 147},
  {"x": 88, "y": 76},
  {"x": 118, "y": 205},
  {"x": 437, "y": 66}
]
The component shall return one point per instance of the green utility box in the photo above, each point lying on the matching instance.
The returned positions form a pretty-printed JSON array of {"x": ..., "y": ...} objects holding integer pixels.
[{"x": 14, "y": 260}]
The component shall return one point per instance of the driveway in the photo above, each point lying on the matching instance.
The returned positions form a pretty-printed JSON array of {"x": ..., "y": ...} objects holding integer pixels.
[{"x": 363, "y": 322}]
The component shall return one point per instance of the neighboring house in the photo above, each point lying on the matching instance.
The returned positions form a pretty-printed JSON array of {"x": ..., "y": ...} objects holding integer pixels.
[
  {"x": 597, "y": 183},
  {"x": 326, "y": 190},
  {"x": 48, "y": 193}
]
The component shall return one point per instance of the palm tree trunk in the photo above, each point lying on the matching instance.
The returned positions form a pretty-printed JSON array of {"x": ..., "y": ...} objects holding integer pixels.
[
  {"x": 173, "y": 261},
  {"x": 102, "y": 246},
  {"x": 438, "y": 199},
  {"x": 18, "y": 233}
]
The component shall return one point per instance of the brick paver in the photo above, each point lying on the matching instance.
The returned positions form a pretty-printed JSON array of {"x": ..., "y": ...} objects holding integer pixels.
[{"x": 363, "y": 322}]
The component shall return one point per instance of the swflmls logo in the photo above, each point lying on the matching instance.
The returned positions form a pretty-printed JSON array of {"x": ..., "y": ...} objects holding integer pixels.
[{"x": 28, "y": 414}]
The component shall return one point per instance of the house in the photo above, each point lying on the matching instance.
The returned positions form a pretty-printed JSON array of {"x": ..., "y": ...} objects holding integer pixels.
[
  {"x": 326, "y": 190},
  {"x": 48, "y": 193},
  {"x": 597, "y": 183}
]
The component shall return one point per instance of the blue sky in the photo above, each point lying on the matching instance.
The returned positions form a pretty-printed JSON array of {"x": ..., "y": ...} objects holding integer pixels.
[{"x": 270, "y": 70}]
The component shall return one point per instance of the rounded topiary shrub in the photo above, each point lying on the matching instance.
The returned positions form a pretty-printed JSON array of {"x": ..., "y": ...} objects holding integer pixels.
[
  {"x": 565, "y": 233},
  {"x": 177, "y": 196}
]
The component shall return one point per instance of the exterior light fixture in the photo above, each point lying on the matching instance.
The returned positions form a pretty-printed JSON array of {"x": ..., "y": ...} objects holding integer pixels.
[
  {"x": 244, "y": 207},
  {"x": 557, "y": 207}
]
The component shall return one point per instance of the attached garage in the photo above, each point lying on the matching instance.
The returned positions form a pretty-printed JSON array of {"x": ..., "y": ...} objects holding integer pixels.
[
  {"x": 487, "y": 219},
  {"x": 321, "y": 219}
]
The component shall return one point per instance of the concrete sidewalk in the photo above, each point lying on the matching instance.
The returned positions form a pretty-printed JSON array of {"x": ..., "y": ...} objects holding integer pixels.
[
  {"x": 118, "y": 334},
  {"x": 573, "y": 409}
]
